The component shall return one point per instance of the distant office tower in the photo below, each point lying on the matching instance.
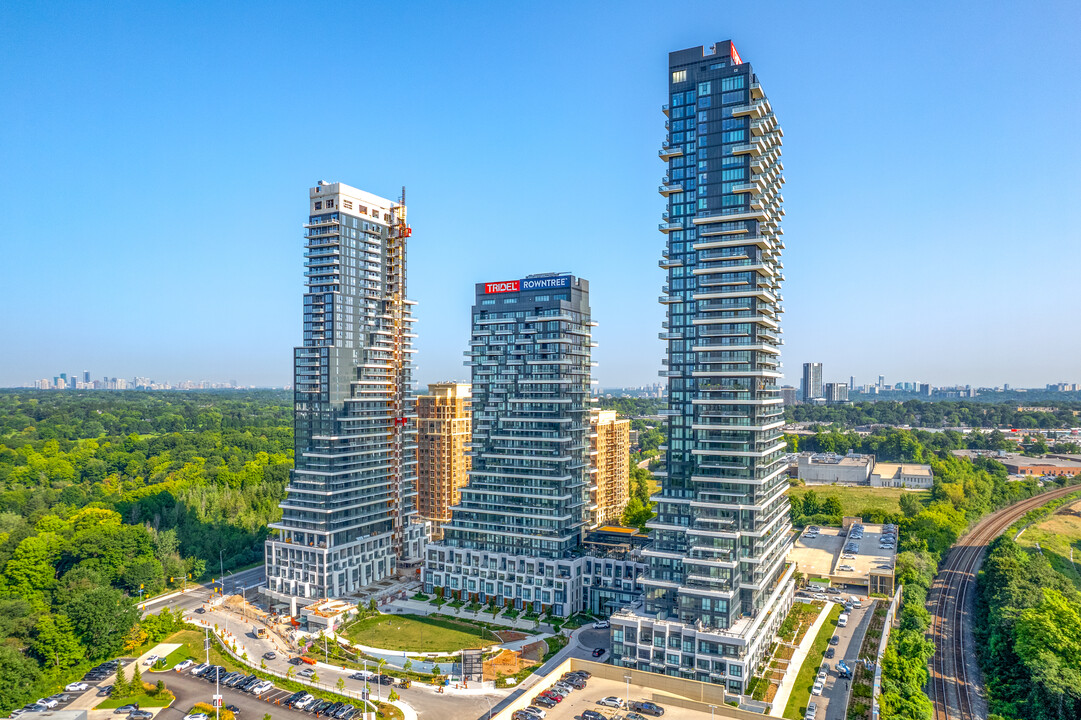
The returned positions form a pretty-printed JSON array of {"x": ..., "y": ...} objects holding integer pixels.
[
  {"x": 443, "y": 433},
  {"x": 86, "y": 376},
  {"x": 611, "y": 453},
  {"x": 788, "y": 394},
  {"x": 515, "y": 538},
  {"x": 349, "y": 515},
  {"x": 812, "y": 381},
  {"x": 881, "y": 382},
  {"x": 717, "y": 584},
  {"x": 851, "y": 383},
  {"x": 836, "y": 392}
]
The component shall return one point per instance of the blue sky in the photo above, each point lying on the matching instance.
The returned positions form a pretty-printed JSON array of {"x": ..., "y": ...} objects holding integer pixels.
[{"x": 155, "y": 160}]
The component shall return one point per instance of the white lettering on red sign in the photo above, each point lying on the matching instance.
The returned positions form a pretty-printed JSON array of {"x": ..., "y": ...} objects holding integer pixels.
[{"x": 499, "y": 287}]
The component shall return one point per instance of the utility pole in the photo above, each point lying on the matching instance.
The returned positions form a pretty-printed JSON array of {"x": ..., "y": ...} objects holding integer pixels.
[{"x": 627, "y": 700}]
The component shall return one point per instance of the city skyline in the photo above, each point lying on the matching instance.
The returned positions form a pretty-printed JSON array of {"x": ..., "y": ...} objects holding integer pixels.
[{"x": 179, "y": 284}]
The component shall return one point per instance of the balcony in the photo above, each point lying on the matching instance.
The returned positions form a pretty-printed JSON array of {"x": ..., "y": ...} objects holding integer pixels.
[
  {"x": 669, "y": 186},
  {"x": 669, "y": 336},
  {"x": 756, "y": 91},
  {"x": 665, "y": 109},
  {"x": 666, "y": 263},
  {"x": 670, "y": 151},
  {"x": 667, "y": 227}
]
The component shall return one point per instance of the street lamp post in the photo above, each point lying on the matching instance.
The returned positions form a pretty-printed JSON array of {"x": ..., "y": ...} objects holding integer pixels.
[
  {"x": 489, "y": 706},
  {"x": 627, "y": 699},
  {"x": 711, "y": 709}
]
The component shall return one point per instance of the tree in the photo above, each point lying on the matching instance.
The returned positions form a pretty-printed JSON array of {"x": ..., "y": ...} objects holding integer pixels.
[
  {"x": 340, "y": 684},
  {"x": 832, "y": 506},
  {"x": 291, "y": 671},
  {"x": 436, "y": 671},
  {"x": 55, "y": 643},
  {"x": 266, "y": 716},
  {"x": 160, "y": 687},
  {"x": 315, "y": 677},
  {"x": 21, "y": 678},
  {"x": 120, "y": 685},
  {"x": 101, "y": 617},
  {"x": 810, "y": 503},
  {"x": 910, "y": 504},
  {"x": 136, "y": 678},
  {"x": 408, "y": 665},
  {"x": 635, "y": 514}
]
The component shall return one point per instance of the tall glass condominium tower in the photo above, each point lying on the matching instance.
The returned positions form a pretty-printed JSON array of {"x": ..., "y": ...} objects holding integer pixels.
[
  {"x": 531, "y": 367},
  {"x": 349, "y": 514},
  {"x": 717, "y": 583}
]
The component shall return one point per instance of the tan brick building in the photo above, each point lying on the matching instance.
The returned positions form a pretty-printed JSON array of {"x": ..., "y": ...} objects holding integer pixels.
[
  {"x": 611, "y": 438},
  {"x": 443, "y": 432}
]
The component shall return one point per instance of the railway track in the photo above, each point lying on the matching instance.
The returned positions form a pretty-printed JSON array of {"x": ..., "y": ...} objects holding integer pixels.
[{"x": 951, "y": 691}]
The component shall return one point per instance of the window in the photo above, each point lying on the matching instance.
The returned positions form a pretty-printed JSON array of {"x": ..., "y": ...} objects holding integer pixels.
[
  {"x": 703, "y": 88},
  {"x": 734, "y": 174},
  {"x": 679, "y": 76},
  {"x": 330, "y": 204},
  {"x": 732, "y": 97},
  {"x": 488, "y": 301},
  {"x": 733, "y": 136},
  {"x": 732, "y": 83},
  {"x": 348, "y": 204},
  {"x": 318, "y": 204}
]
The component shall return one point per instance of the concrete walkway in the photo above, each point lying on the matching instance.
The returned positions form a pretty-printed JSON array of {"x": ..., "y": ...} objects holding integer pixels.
[{"x": 794, "y": 665}]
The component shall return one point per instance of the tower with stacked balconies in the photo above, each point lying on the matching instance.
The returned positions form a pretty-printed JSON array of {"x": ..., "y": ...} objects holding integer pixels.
[
  {"x": 349, "y": 515},
  {"x": 717, "y": 583}
]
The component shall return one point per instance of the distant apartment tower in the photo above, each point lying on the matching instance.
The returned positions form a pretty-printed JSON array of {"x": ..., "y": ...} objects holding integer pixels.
[
  {"x": 610, "y": 453},
  {"x": 443, "y": 433},
  {"x": 852, "y": 383},
  {"x": 812, "y": 381},
  {"x": 717, "y": 585},
  {"x": 881, "y": 382},
  {"x": 789, "y": 395},
  {"x": 836, "y": 392},
  {"x": 349, "y": 514}
]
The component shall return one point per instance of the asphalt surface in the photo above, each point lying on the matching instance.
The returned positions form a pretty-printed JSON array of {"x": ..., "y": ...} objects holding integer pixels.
[
  {"x": 190, "y": 690},
  {"x": 833, "y": 702}
]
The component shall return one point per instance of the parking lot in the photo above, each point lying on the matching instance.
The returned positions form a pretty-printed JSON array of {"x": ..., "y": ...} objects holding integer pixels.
[
  {"x": 823, "y": 554},
  {"x": 597, "y": 688}
]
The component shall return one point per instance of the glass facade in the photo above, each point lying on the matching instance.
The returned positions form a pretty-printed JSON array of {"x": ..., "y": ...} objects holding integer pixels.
[
  {"x": 530, "y": 355},
  {"x": 348, "y": 515},
  {"x": 717, "y": 582}
]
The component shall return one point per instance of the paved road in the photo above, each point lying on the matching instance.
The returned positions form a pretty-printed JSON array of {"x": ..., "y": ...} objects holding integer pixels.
[
  {"x": 190, "y": 690},
  {"x": 833, "y": 701}
]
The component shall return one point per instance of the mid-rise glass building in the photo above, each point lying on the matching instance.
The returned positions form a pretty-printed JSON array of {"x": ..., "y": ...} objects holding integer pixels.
[
  {"x": 349, "y": 515},
  {"x": 717, "y": 583}
]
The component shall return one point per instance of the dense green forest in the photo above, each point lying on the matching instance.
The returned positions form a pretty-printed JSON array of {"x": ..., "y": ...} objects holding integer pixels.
[
  {"x": 963, "y": 492},
  {"x": 945, "y": 413},
  {"x": 1028, "y": 629},
  {"x": 109, "y": 496},
  {"x": 632, "y": 407}
]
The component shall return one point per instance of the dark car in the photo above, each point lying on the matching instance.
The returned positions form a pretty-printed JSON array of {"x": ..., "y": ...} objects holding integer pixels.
[
  {"x": 829, "y": 653},
  {"x": 334, "y": 707},
  {"x": 386, "y": 680},
  {"x": 320, "y": 707},
  {"x": 288, "y": 702},
  {"x": 648, "y": 708},
  {"x": 105, "y": 691},
  {"x": 345, "y": 712},
  {"x": 544, "y": 701},
  {"x": 200, "y": 610},
  {"x": 583, "y": 674},
  {"x": 597, "y": 652},
  {"x": 592, "y": 715},
  {"x": 233, "y": 709},
  {"x": 834, "y": 640}
]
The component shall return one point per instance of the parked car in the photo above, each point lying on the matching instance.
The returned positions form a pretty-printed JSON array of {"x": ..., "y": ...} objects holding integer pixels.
[
  {"x": 633, "y": 716},
  {"x": 386, "y": 680},
  {"x": 200, "y": 610},
  {"x": 196, "y": 716},
  {"x": 842, "y": 620},
  {"x": 233, "y": 709},
  {"x": 602, "y": 625},
  {"x": 830, "y": 653},
  {"x": 261, "y": 687},
  {"x": 812, "y": 709},
  {"x": 592, "y": 715},
  {"x": 833, "y": 591},
  {"x": 183, "y": 665},
  {"x": 140, "y": 715},
  {"x": 76, "y": 687},
  {"x": 305, "y": 673},
  {"x": 535, "y": 711},
  {"x": 345, "y": 713},
  {"x": 544, "y": 701},
  {"x": 554, "y": 697},
  {"x": 304, "y": 701},
  {"x": 649, "y": 708},
  {"x": 105, "y": 691},
  {"x": 125, "y": 709},
  {"x": 334, "y": 707},
  {"x": 834, "y": 640},
  {"x": 611, "y": 701},
  {"x": 48, "y": 702},
  {"x": 597, "y": 652},
  {"x": 199, "y": 668}
]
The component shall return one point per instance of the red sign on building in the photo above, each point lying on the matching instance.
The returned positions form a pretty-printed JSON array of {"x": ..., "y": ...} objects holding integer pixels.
[{"x": 499, "y": 287}]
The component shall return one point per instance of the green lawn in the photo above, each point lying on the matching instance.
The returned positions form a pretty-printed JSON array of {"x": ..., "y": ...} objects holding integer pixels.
[
  {"x": 143, "y": 700},
  {"x": 854, "y": 500},
  {"x": 418, "y": 634},
  {"x": 805, "y": 679},
  {"x": 1057, "y": 535},
  {"x": 183, "y": 652}
]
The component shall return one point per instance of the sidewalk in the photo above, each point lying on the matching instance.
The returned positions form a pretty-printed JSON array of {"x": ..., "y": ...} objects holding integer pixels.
[{"x": 794, "y": 665}]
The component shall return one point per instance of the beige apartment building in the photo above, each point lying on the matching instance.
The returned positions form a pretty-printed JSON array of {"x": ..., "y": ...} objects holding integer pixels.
[
  {"x": 611, "y": 450},
  {"x": 443, "y": 433}
]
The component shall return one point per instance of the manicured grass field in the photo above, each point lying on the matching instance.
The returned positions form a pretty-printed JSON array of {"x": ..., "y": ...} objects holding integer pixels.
[
  {"x": 192, "y": 646},
  {"x": 418, "y": 634},
  {"x": 144, "y": 701},
  {"x": 805, "y": 679},
  {"x": 854, "y": 500},
  {"x": 1056, "y": 536},
  {"x": 190, "y": 639}
]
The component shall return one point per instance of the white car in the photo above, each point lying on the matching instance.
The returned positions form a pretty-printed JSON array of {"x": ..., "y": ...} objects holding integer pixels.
[
  {"x": 77, "y": 687},
  {"x": 151, "y": 660},
  {"x": 48, "y": 702},
  {"x": 822, "y": 675},
  {"x": 262, "y": 687},
  {"x": 184, "y": 665},
  {"x": 601, "y": 625},
  {"x": 303, "y": 702},
  {"x": 611, "y": 701},
  {"x": 196, "y": 716},
  {"x": 535, "y": 711},
  {"x": 817, "y": 689}
]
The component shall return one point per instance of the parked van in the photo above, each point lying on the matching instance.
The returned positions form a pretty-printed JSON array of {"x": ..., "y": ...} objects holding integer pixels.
[{"x": 842, "y": 620}]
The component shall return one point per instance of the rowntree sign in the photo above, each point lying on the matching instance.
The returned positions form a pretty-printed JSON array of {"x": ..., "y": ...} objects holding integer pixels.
[{"x": 549, "y": 282}]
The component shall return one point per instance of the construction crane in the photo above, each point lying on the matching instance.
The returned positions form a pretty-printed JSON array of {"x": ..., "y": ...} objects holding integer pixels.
[{"x": 398, "y": 233}]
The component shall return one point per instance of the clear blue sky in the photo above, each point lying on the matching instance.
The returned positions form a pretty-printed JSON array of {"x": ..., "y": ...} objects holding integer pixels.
[{"x": 155, "y": 160}]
